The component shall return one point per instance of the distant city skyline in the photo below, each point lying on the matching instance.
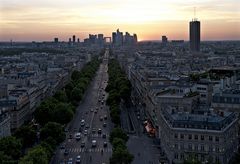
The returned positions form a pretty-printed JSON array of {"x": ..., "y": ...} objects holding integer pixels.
[{"x": 28, "y": 20}]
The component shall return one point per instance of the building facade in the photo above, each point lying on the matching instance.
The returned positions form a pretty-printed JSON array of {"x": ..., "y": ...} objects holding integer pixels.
[{"x": 211, "y": 137}]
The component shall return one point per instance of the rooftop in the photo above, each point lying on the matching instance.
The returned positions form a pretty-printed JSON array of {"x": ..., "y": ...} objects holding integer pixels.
[{"x": 208, "y": 121}]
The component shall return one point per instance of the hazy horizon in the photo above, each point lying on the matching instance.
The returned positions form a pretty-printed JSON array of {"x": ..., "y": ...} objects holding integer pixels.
[{"x": 28, "y": 20}]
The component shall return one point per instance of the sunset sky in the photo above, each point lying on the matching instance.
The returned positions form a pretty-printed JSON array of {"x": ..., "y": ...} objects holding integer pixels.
[{"x": 28, "y": 20}]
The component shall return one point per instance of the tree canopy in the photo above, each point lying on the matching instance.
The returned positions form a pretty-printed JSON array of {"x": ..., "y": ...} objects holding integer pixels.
[
  {"x": 11, "y": 147},
  {"x": 35, "y": 155}
]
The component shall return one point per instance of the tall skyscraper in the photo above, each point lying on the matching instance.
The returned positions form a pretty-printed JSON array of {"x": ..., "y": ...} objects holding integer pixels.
[
  {"x": 135, "y": 38},
  {"x": 74, "y": 38},
  {"x": 100, "y": 39},
  {"x": 194, "y": 34},
  {"x": 114, "y": 36},
  {"x": 55, "y": 40},
  {"x": 164, "y": 39}
]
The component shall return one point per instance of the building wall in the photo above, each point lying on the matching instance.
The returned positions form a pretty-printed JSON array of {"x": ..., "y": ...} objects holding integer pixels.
[
  {"x": 5, "y": 126},
  {"x": 182, "y": 143}
]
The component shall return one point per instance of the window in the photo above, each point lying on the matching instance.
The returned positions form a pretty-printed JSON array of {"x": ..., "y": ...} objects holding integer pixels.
[
  {"x": 217, "y": 159},
  {"x": 196, "y": 137},
  {"x": 210, "y": 138},
  {"x": 176, "y": 155},
  {"x": 202, "y": 157},
  {"x": 202, "y": 137},
  {"x": 175, "y": 135},
  {"x": 176, "y": 145},
  {"x": 210, "y": 148},
  {"x": 190, "y": 136},
  {"x": 195, "y": 147},
  {"x": 189, "y": 146},
  {"x": 182, "y": 136},
  {"x": 182, "y": 147},
  {"x": 217, "y": 139},
  {"x": 182, "y": 156},
  {"x": 202, "y": 147},
  {"x": 217, "y": 149}
]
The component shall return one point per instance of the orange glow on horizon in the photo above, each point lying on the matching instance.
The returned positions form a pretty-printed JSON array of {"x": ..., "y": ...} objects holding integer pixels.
[{"x": 27, "y": 20}]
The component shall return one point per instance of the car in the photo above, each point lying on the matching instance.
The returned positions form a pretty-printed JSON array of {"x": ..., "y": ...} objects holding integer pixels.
[
  {"x": 104, "y": 135},
  {"x": 87, "y": 126},
  {"x": 91, "y": 110},
  {"x": 82, "y": 144},
  {"x": 78, "y": 136},
  {"x": 101, "y": 118},
  {"x": 82, "y": 123},
  {"x": 62, "y": 146},
  {"x": 70, "y": 161},
  {"x": 105, "y": 117},
  {"x": 94, "y": 143},
  {"x": 96, "y": 108},
  {"x": 93, "y": 130},
  {"x": 95, "y": 111},
  {"x": 80, "y": 129},
  {"x": 66, "y": 152},
  {"x": 85, "y": 132},
  {"x": 104, "y": 124},
  {"x": 105, "y": 144},
  {"x": 78, "y": 159},
  {"x": 99, "y": 131}
]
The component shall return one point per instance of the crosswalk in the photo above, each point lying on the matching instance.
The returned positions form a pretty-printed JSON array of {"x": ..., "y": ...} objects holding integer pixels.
[
  {"x": 98, "y": 135},
  {"x": 82, "y": 150}
]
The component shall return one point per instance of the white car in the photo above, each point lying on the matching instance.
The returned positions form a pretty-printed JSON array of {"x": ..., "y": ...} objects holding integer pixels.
[
  {"x": 94, "y": 143},
  {"x": 82, "y": 122},
  {"x": 78, "y": 136},
  {"x": 78, "y": 159}
]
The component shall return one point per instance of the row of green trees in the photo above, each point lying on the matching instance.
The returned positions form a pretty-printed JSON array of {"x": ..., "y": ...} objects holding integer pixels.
[
  {"x": 52, "y": 115},
  {"x": 119, "y": 88},
  {"x": 118, "y": 139}
]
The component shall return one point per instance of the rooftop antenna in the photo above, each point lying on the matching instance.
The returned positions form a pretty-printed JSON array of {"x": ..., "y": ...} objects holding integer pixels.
[{"x": 195, "y": 19}]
